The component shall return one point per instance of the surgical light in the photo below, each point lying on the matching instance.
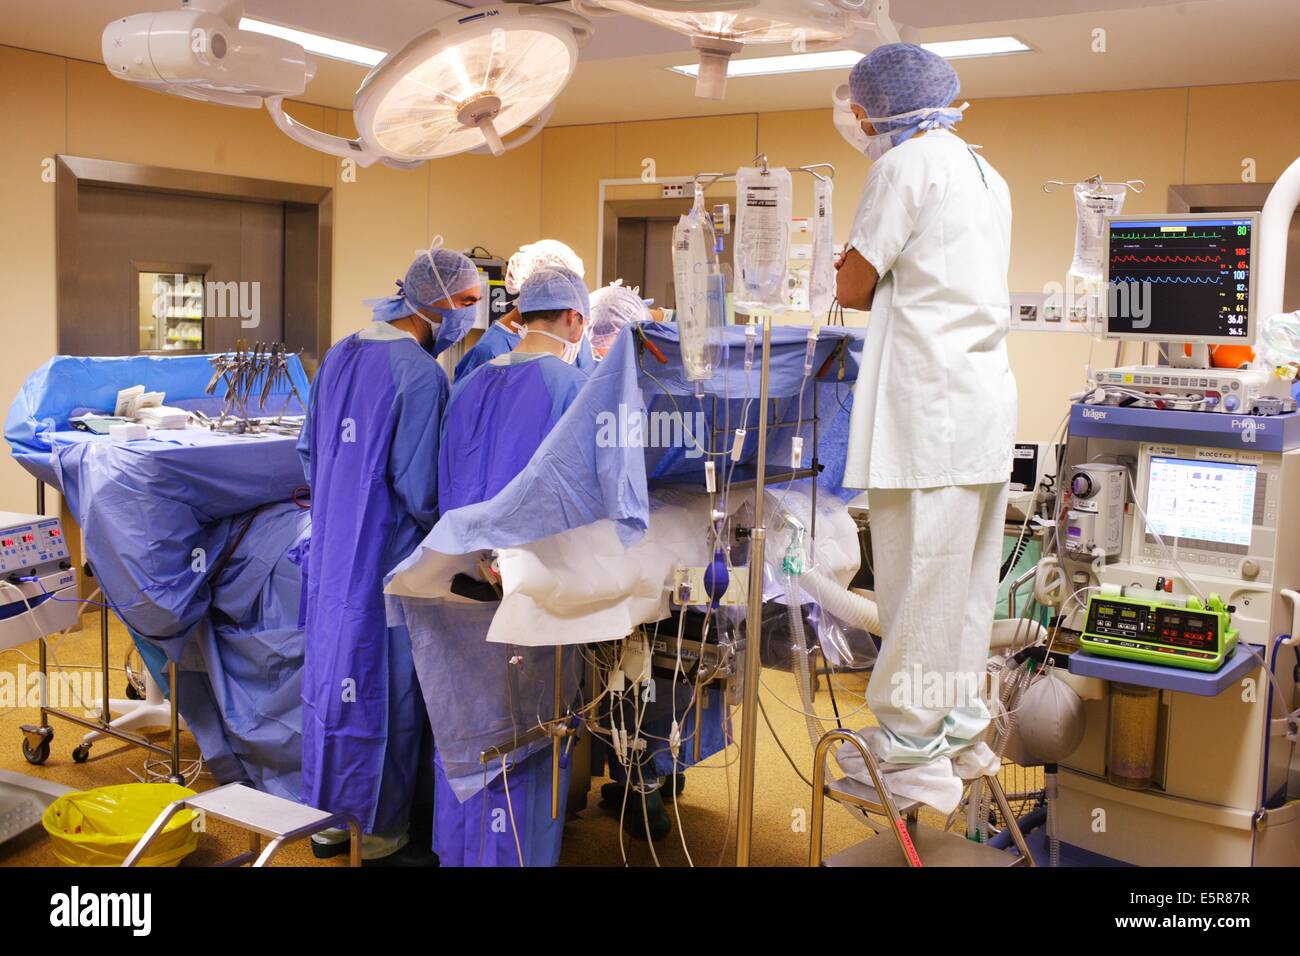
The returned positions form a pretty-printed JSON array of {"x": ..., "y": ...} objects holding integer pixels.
[
  {"x": 846, "y": 59},
  {"x": 720, "y": 28},
  {"x": 462, "y": 86}
]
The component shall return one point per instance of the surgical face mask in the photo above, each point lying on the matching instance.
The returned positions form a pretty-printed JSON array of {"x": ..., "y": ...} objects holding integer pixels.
[
  {"x": 919, "y": 121},
  {"x": 877, "y": 145},
  {"x": 570, "y": 353},
  {"x": 434, "y": 328}
]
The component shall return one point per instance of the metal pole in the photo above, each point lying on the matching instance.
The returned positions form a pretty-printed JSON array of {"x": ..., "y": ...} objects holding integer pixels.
[
  {"x": 105, "y": 714},
  {"x": 753, "y": 625},
  {"x": 556, "y": 739},
  {"x": 172, "y": 691},
  {"x": 812, "y": 544},
  {"x": 40, "y": 497}
]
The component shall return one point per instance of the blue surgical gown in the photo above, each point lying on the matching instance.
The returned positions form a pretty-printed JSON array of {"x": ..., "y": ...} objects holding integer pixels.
[
  {"x": 370, "y": 448},
  {"x": 496, "y": 418},
  {"x": 497, "y": 340}
]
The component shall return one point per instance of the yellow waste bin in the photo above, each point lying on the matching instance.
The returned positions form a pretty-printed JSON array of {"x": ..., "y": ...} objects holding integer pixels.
[{"x": 99, "y": 827}]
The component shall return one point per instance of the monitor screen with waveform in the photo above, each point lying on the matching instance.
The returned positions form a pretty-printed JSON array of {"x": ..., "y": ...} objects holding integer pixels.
[{"x": 1181, "y": 278}]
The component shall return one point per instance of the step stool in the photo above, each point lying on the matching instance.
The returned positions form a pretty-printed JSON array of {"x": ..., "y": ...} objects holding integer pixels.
[
  {"x": 913, "y": 845},
  {"x": 262, "y": 815}
]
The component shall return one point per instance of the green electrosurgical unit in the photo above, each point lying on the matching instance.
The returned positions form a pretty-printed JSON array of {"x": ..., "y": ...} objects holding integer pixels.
[{"x": 1152, "y": 631}]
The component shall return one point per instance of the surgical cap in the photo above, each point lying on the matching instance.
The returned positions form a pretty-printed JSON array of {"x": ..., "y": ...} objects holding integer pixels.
[
  {"x": 535, "y": 255},
  {"x": 436, "y": 274},
  {"x": 439, "y": 274},
  {"x": 613, "y": 307},
  {"x": 900, "y": 78},
  {"x": 553, "y": 288}
]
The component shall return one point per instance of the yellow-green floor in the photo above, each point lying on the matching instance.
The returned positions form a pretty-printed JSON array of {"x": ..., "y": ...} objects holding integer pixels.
[{"x": 707, "y": 807}]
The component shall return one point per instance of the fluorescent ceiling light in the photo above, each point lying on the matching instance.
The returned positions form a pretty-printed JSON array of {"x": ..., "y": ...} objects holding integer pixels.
[
  {"x": 314, "y": 43},
  {"x": 979, "y": 46},
  {"x": 844, "y": 59},
  {"x": 792, "y": 63}
]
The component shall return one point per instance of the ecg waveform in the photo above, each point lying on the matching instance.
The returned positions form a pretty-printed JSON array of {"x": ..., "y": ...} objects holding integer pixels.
[
  {"x": 1196, "y": 275},
  {"x": 1179, "y": 280},
  {"x": 1190, "y": 259}
]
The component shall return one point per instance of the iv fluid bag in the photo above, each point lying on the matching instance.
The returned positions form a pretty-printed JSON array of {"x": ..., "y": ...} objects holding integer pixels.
[
  {"x": 701, "y": 294},
  {"x": 762, "y": 240},
  {"x": 1279, "y": 338},
  {"x": 1092, "y": 204},
  {"x": 821, "y": 285}
]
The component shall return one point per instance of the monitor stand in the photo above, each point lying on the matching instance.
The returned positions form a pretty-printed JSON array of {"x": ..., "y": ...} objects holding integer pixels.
[{"x": 1178, "y": 357}]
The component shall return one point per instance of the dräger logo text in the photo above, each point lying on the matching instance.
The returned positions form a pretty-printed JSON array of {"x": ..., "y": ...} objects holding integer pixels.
[
  {"x": 74, "y": 908},
  {"x": 1094, "y": 414}
]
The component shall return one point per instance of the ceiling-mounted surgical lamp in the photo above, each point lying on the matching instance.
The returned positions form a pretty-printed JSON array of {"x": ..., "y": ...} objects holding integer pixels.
[
  {"x": 718, "y": 29},
  {"x": 463, "y": 86}
]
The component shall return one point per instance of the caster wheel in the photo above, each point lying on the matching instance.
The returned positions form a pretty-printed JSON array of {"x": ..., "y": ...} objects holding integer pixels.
[
  {"x": 81, "y": 753},
  {"x": 39, "y": 754},
  {"x": 132, "y": 693}
]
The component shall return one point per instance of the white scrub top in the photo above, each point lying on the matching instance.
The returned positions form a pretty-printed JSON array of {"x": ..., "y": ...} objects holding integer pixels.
[{"x": 935, "y": 401}]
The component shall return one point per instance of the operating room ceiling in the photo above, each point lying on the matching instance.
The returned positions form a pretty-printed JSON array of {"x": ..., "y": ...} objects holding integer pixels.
[{"x": 622, "y": 74}]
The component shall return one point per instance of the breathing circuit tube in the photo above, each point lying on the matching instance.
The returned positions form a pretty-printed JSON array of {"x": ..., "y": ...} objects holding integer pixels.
[{"x": 840, "y": 601}]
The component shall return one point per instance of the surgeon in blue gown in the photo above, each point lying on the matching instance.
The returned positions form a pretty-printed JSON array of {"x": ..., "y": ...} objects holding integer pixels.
[
  {"x": 502, "y": 336},
  {"x": 370, "y": 450},
  {"x": 498, "y": 415}
]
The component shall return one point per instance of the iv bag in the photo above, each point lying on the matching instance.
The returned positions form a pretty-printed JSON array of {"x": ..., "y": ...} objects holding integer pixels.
[
  {"x": 1279, "y": 338},
  {"x": 762, "y": 240},
  {"x": 701, "y": 294},
  {"x": 1092, "y": 204},
  {"x": 821, "y": 286}
]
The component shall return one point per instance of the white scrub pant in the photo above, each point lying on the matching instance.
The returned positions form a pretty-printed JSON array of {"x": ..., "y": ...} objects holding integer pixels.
[{"x": 937, "y": 555}]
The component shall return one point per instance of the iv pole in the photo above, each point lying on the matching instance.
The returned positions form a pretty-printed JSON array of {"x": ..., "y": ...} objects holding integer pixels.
[
  {"x": 753, "y": 624},
  {"x": 758, "y": 537}
]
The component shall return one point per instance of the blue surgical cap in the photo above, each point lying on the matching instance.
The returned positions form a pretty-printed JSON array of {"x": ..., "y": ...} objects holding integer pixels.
[
  {"x": 902, "y": 78},
  {"x": 553, "y": 288},
  {"x": 436, "y": 274}
]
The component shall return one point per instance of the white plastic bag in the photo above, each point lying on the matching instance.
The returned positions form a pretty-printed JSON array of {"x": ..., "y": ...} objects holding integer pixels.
[
  {"x": 821, "y": 287},
  {"x": 762, "y": 241},
  {"x": 1092, "y": 204},
  {"x": 699, "y": 289}
]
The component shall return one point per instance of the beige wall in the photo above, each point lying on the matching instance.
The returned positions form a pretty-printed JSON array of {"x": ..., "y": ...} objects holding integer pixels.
[
  {"x": 549, "y": 187},
  {"x": 1165, "y": 137}
]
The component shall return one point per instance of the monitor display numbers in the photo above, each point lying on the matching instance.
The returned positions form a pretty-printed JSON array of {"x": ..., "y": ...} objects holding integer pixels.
[
  {"x": 1180, "y": 279},
  {"x": 1186, "y": 630}
]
